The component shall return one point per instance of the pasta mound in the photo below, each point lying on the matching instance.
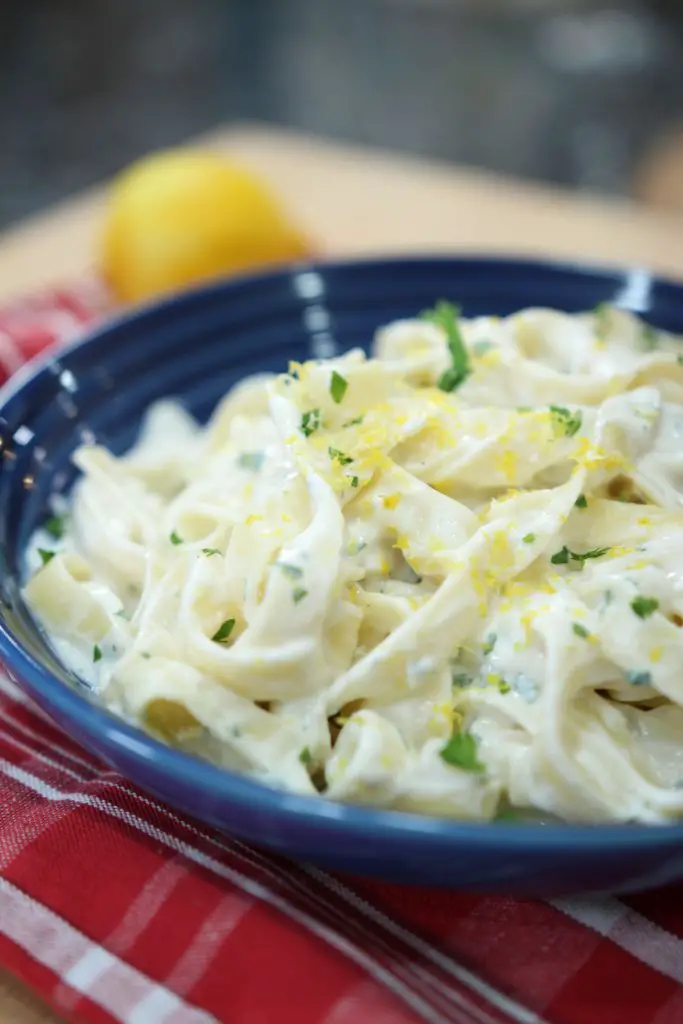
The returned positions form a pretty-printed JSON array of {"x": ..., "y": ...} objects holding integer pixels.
[{"x": 447, "y": 579}]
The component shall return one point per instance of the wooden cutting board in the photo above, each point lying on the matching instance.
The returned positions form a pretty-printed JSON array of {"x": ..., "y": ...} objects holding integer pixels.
[{"x": 357, "y": 201}]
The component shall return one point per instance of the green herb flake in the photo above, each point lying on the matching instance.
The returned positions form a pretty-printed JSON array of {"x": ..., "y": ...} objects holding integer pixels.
[
  {"x": 338, "y": 386},
  {"x": 461, "y": 752},
  {"x": 461, "y": 680},
  {"x": 222, "y": 634},
  {"x": 175, "y": 539},
  {"x": 342, "y": 459},
  {"x": 529, "y": 538},
  {"x": 96, "y": 654},
  {"x": 504, "y": 687},
  {"x": 46, "y": 556},
  {"x": 252, "y": 461},
  {"x": 354, "y": 423},
  {"x": 310, "y": 422},
  {"x": 445, "y": 315},
  {"x": 507, "y": 815},
  {"x": 595, "y": 553},
  {"x": 580, "y": 630},
  {"x": 55, "y": 526},
  {"x": 354, "y": 481},
  {"x": 563, "y": 556},
  {"x": 603, "y": 319},
  {"x": 564, "y": 421},
  {"x": 298, "y": 594},
  {"x": 293, "y": 571},
  {"x": 489, "y": 643},
  {"x": 644, "y": 607},
  {"x": 679, "y": 360},
  {"x": 639, "y": 678},
  {"x": 210, "y": 551},
  {"x": 306, "y": 757},
  {"x": 649, "y": 337},
  {"x": 581, "y": 501}
]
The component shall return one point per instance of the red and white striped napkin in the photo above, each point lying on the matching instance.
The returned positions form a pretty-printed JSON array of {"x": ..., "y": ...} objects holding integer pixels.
[{"x": 116, "y": 908}]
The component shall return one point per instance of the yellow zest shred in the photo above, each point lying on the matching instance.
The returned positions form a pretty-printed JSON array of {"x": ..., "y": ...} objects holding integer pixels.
[{"x": 506, "y": 463}]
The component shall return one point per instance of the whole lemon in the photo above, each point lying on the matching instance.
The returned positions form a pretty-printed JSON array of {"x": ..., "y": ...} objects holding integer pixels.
[{"x": 182, "y": 216}]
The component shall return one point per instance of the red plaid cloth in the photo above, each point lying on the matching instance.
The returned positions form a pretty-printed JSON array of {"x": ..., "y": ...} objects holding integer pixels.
[{"x": 116, "y": 908}]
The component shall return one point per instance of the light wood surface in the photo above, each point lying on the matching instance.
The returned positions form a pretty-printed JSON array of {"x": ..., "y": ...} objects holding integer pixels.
[
  {"x": 356, "y": 201},
  {"x": 659, "y": 180}
]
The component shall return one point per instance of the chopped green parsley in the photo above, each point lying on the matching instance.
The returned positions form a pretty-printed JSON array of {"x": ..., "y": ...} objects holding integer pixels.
[
  {"x": 649, "y": 337},
  {"x": 639, "y": 678},
  {"x": 342, "y": 459},
  {"x": 338, "y": 386},
  {"x": 55, "y": 526},
  {"x": 580, "y": 630},
  {"x": 489, "y": 643},
  {"x": 305, "y": 756},
  {"x": 45, "y": 556},
  {"x": 603, "y": 318},
  {"x": 564, "y": 421},
  {"x": 298, "y": 594},
  {"x": 581, "y": 501},
  {"x": 644, "y": 607},
  {"x": 310, "y": 422},
  {"x": 175, "y": 539},
  {"x": 293, "y": 571},
  {"x": 96, "y": 654},
  {"x": 529, "y": 538},
  {"x": 224, "y": 631},
  {"x": 251, "y": 460},
  {"x": 210, "y": 551},
  {"x": 461, "y": 752},
  {"x": 445, "y": 315},
  {"x": 564, "y": 555},
  {"x": 461, "y": 680},
  {"x": 561, "y": 557},
  {"x": 507, "y": 814}
]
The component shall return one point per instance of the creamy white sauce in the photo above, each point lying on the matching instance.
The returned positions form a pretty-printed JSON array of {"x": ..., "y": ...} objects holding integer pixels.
[{"x": 413, "y": 597}]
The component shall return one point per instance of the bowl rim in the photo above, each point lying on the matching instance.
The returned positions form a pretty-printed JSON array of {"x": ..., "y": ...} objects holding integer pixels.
[
  {"x": 313, "y": 812},
  {"x": 149, "y": 309}
]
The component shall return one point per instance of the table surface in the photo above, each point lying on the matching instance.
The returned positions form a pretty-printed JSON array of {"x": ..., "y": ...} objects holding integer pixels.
[{"x": 358, "y": 201}]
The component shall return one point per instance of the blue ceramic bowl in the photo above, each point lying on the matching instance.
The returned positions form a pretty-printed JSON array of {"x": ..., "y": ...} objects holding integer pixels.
[{"x": 194, "y": 348}]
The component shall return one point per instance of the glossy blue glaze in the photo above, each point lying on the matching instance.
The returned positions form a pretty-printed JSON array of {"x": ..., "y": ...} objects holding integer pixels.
[{"x": 194, "y": 347}]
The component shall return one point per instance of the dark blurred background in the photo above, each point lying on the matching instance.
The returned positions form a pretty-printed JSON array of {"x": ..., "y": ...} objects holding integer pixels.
[{"x": 573, "y": 92}]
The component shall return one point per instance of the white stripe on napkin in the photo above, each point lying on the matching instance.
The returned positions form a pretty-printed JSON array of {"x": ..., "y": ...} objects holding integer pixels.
[
  {"x": 453, "y": 1002},
  {"x": 87, "y": 967},
  {"x": 248, "y": 885},
  {"x": 629, "y": 930}
]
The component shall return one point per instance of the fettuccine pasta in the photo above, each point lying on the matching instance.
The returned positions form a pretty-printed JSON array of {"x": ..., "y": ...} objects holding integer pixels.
[{"x": 447, "y": 579}]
